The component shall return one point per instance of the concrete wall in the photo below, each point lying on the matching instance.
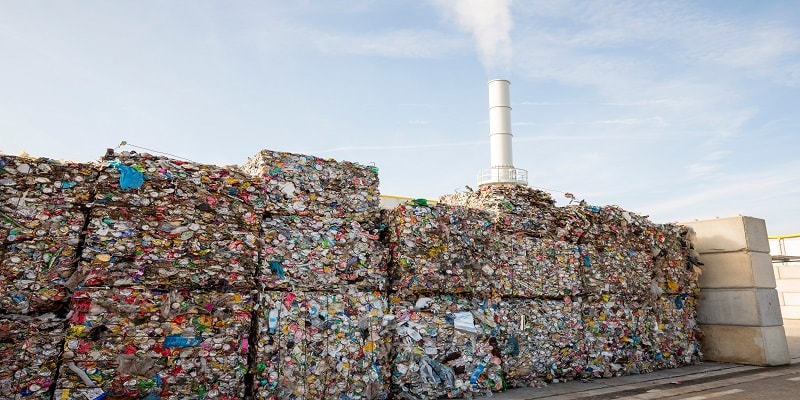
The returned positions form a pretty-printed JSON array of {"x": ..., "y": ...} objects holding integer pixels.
[
  {"x": 739, "y": 310},
  {"x": 787, "y": 274}
]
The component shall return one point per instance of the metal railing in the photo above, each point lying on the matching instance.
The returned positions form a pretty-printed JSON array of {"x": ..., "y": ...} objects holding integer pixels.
[{"x": 503, "y": 175}]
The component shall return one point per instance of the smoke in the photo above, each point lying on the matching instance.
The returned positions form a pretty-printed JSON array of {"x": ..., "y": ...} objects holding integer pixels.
[{"x": 489, "y": 21}]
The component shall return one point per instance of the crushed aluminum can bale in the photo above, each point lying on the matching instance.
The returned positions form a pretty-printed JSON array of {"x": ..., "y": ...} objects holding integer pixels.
[
  {"x": 448, "y": 346},
  {"x": 321, "y": 253},
  {"x": 298, "y": 184},
  {"x": 29, "y": 349},
  {"x": 178, "y": 343},
  {"x": 318, "y": 345}
]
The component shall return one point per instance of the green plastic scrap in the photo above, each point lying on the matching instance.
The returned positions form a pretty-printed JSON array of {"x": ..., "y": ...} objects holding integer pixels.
[{"x": 420, "y": 202}]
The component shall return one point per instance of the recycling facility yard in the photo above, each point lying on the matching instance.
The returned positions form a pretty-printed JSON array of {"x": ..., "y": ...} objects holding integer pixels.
[{"x": 144, "y": 277}]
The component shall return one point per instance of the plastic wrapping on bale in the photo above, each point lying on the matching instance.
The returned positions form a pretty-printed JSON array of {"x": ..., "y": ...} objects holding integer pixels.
[
  {"x": 447, "y": 346},
  {"x": 543, "y": 341},
  {"x": 174, "y": 343},
  {"x": 442, "y": 249},
  {"x": 40, "y": 221},
  {"x": 29, "y": 349},
  {"x": 315, "y": 345},
  {"x": 297, "y": 184},
  {"x": 321, "y": 253}
]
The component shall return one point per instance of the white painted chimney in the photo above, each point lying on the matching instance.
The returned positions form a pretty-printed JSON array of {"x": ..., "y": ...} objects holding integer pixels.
[{"x": 502, "y": 169}]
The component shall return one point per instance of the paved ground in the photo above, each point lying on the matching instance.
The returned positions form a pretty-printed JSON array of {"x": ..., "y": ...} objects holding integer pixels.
[{"x": 703, "y": 381}]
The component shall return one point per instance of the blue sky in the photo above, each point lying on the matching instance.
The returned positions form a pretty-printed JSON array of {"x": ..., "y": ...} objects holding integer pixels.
[{"x": 679, "y": 110}]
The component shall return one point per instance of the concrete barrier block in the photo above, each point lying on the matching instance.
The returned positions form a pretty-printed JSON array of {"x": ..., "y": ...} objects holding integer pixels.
[
  {"x": 737, "y": 270},
  {"x": 730, "y": 234},
  {"x": 741, "y": 307},
  {"x": 764, "y": 345}
]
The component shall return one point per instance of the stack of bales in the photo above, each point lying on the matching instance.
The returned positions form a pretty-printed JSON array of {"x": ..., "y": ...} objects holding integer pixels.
[
  {"x": 323, "y": 322},
  {"x": 500, "y": 287},
  {"x": 41, "y": 219},
  {"x": 162, "y": 298}
]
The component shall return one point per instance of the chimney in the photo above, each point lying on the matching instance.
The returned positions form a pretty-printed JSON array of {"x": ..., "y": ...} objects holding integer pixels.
[{"x": 502, "y": 171}]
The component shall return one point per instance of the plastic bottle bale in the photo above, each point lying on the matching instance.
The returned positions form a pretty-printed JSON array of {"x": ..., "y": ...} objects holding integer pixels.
[
  {"x": 543, "y": 341},
  {"x": 321, "y": 253},
  {"x": 297, "y": 184},
  {"x": 322, "y": 345},
  {"x": 446, "y": 346},
  {"x": 619, "y": 335},
  {"x": 29, "y": 348}
]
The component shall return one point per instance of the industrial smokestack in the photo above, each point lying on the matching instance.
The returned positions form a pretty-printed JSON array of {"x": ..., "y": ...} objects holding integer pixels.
[{"x": 502, "y": 169}]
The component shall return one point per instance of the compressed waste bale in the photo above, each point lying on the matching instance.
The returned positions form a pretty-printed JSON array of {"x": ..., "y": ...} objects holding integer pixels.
[
  {"x": 447, "y": 346},
  {"x": 514, "y": 209},
  {"x": 322, "y": 345},
  {"x": 29, "y": 349},
  {"x": 175, "y": 343},
  {"x": 676, "y": 261},
  {"x": 298, "y": 184},
  {"x": 41, "y": 219},
  {"x": 320, "y": 253},
  {"x": 676, "y": 335},
  {"x": 538, "y": 268},
  {"x": 137, "y": 246},
  {"x": 442, "y": 249},
  {"x": 543, "y": 341},
  {"x": 609, "y": 268},
  {"x": 169, "y": 188},
  {"x": 619, "y": 335}
]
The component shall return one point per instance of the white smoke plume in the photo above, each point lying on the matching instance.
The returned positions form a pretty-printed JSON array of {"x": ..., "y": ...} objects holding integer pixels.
[{"x": 489, "y": 21}]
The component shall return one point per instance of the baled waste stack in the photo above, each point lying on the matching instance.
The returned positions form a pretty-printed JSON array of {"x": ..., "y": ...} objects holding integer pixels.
[
  {"x": 162, "y": 299},
  {"x": 323, "y": 323},
  {"x": 41, "y": 218},
  {"x": 540, "y": 293}
]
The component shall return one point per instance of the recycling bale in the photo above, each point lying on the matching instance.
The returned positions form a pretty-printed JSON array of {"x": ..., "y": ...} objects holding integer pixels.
[
  {"x": 41, "y": 219},
  {"x": 172, "y": 343},
  {"x": 298, "y": 184},
  {"x": 447, "y": 346},
  {"x": 538, "y": 267},
  {"x": 29, "y": 349},
  {"x": 514, "y": 209},
  {"x": 442, "y": 249},
  {"x": 322, "y": 345},
  {"x": 145, "y": 246},
  {"x": 543, "y": 341},
  {"x": 620, "y": 335},
  {"x": 318, "y": 253},
  {"x": 676, "y": 336},
  {"x": 162, "y": 222}
]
